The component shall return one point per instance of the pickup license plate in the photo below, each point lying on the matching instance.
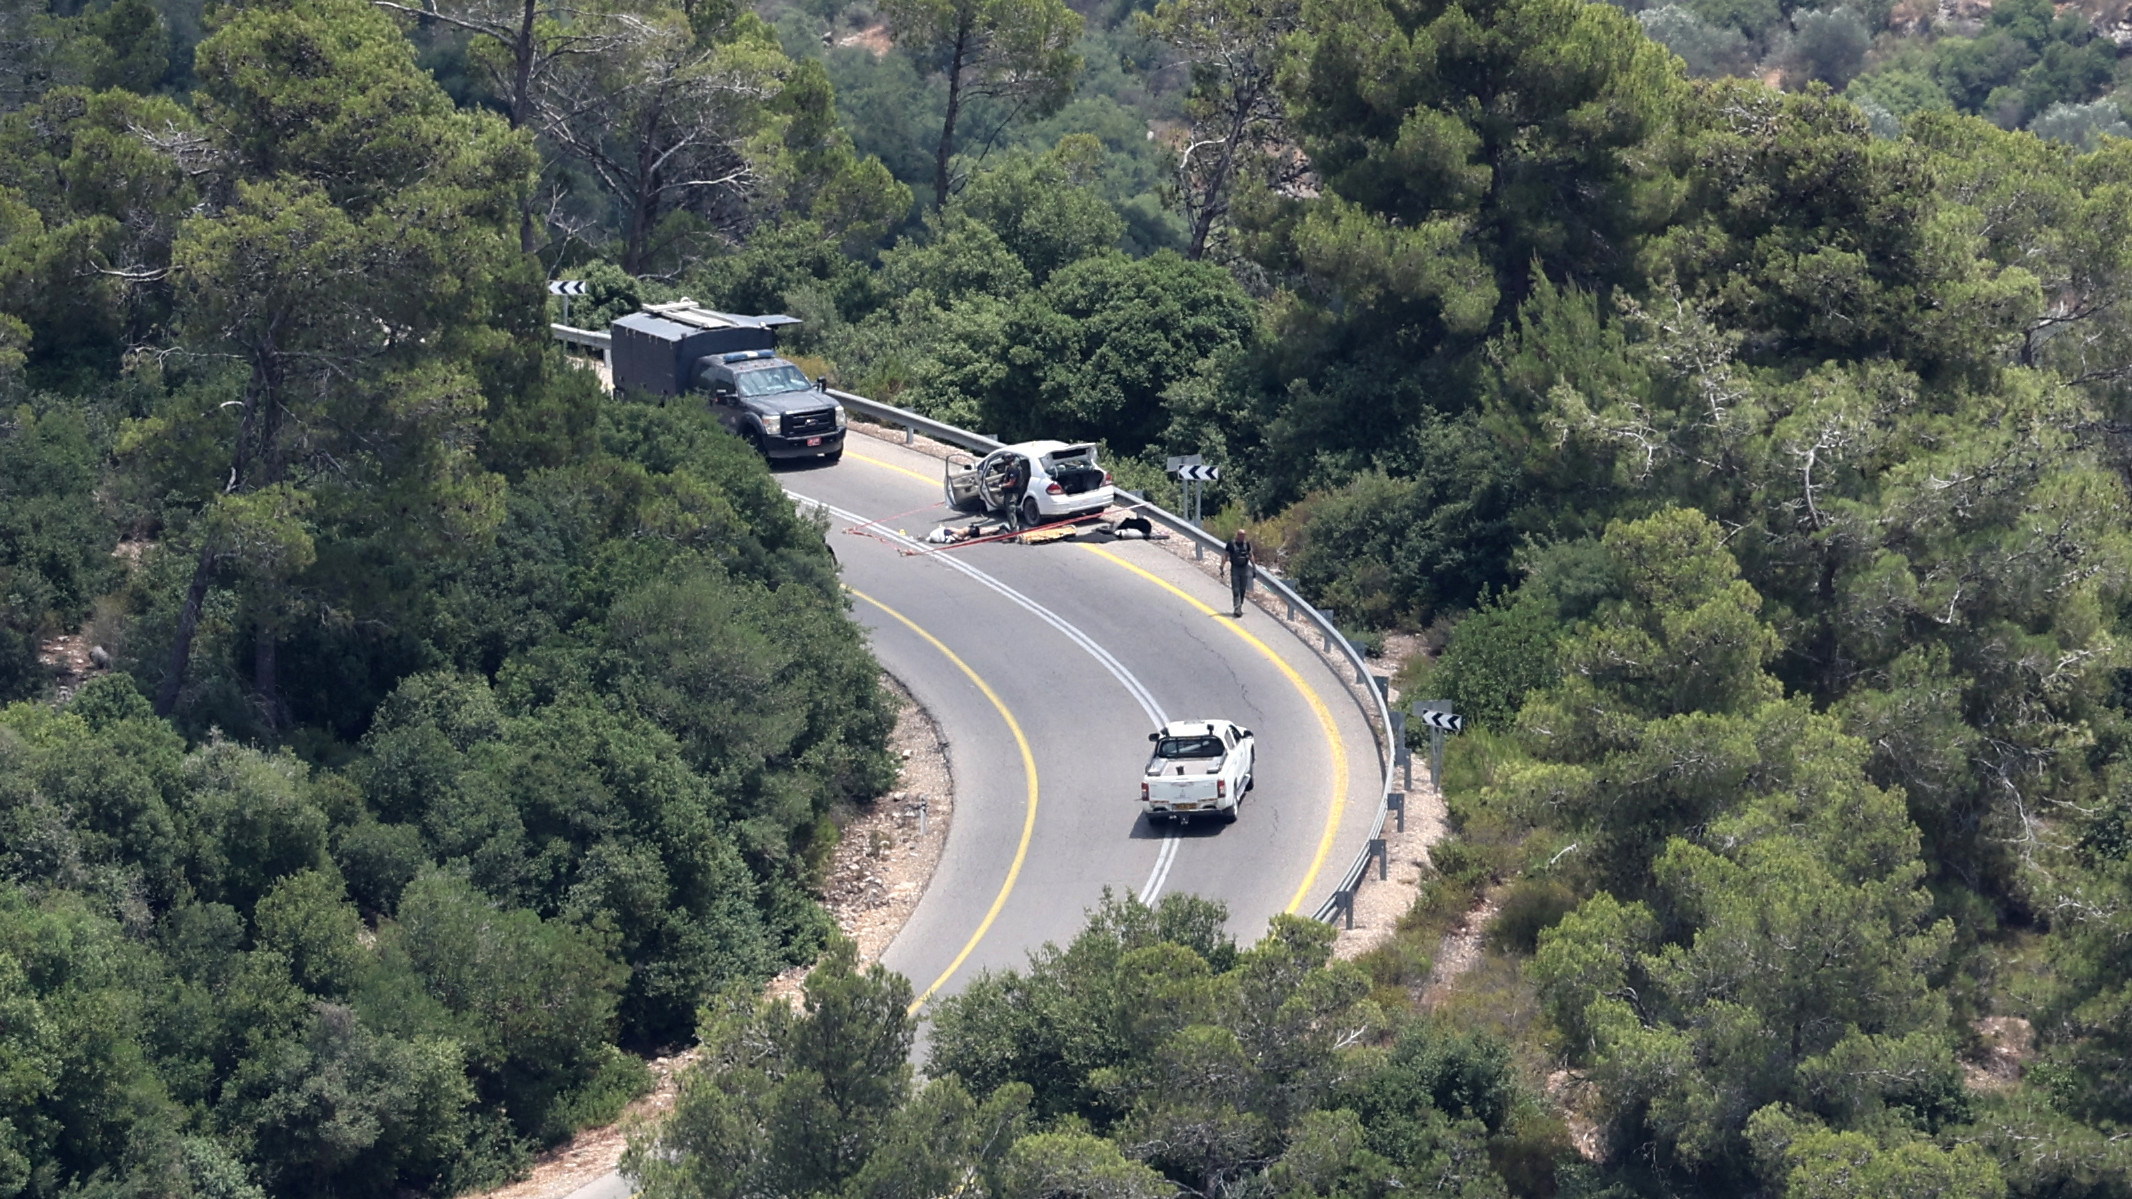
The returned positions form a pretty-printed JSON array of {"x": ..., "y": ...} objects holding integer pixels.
[{"x": 814, "y": 441}]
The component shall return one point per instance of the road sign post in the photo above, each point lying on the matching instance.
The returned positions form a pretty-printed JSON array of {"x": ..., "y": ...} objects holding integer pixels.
[
  {"x": 1401, "y": 755},
  {"x": 1440, "y": 719},
  {"x": 1192, "y": 478},
  {"x": 566, "y": 288}
]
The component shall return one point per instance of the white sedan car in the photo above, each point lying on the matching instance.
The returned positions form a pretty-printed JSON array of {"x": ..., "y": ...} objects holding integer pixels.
[
  {"x": 1199, "y": 767},
  {"x": 1035, "y": 482}
]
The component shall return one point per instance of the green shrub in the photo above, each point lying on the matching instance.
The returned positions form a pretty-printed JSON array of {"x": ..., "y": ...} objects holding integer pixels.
[
  {"x": 1498, "y": 656},
  {"x": 1530, "y": 906}
]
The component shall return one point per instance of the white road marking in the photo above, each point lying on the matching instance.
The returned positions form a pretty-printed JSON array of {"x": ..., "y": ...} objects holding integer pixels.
[
  {"x": 1141, "y": 695},
  {"x": 1161, "y": 872}
]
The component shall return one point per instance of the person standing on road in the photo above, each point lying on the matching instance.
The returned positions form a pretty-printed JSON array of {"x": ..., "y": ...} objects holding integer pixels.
[
  {"x": 1237, "y": 565},
  {"x": 1015, "y": 486}
]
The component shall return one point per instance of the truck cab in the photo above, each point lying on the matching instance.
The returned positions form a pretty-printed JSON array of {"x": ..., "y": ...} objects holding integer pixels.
[{"x": 770, "y": 404}]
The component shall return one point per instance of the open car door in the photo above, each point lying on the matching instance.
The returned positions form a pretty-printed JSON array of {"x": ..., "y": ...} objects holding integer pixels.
[{"x": 959, "y": 483}]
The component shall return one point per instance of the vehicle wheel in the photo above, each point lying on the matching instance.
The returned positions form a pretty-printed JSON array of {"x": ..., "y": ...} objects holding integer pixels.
[
  {"x": 1032, "y": 516},
  {"x": 754, "y": 440},
  {"x": 833, "y": 457},
  {"x": 1250, "y": 781},
  {"x": 1229, "y": 817}
]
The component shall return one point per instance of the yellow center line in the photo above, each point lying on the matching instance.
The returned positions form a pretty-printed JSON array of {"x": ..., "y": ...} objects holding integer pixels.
[
  {"x": 901, "y": 470},
  {"x": 1317, "y": 705},
  {"x": 1021, "y": 851}
]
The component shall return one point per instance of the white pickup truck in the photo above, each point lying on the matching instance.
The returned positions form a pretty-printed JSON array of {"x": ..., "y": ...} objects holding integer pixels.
[{"x": 1200, "y": 766}]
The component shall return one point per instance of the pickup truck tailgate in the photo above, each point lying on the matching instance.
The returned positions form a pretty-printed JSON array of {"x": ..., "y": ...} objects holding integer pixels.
[
  {"x": 1196, "y": 784},
  {"x": 1184, "y": 790}
]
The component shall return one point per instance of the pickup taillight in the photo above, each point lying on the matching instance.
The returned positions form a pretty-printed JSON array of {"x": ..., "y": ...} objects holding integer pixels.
[
  {"x": 1106, "y": 478},
  {"x": 1221, "y": 788},
  {"x": 1055, "y": 489},
  {"x": 1143, "y": 793}
]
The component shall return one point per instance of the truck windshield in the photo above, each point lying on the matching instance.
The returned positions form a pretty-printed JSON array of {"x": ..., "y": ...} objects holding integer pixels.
[
  {"x": 1189, "y": 747},
  {"x": 771, "y": 380}
]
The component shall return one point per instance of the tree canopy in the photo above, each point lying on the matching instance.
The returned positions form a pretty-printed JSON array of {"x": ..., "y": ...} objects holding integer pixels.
[{"x": 1728, "y": 396}]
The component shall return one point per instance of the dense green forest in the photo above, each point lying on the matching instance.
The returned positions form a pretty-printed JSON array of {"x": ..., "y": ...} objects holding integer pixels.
[
  {"x": 1751, "y": 457},
  {"x": 464, "y": 732}
]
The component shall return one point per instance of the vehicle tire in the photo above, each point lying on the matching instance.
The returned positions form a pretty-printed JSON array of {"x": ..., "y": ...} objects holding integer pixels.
[
  {"x": 832, "y": 458},
  {"x": 1250, "y": 781},
  {"x": 1229, "y": 817},
  {"x": 1032, "y": 516},
  {"x": 754, "y": 439}
]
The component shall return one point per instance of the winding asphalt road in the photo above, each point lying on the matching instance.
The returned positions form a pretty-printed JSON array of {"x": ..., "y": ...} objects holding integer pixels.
[{"x": 1046, "y": 667}]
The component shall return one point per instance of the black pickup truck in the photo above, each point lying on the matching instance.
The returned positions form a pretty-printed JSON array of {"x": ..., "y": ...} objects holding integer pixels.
[{"x": 683, "y": 349}]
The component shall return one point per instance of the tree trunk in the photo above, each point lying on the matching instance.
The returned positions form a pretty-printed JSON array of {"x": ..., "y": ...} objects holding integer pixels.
[
  {"x": 1202, "y": 224},
  {"x": 273, "y": 468},
  {"x": 522, "y": 112},
  {"x": 633, "y": 246},
  {"x": 522, "y": 48},
  {"x": 946, "y": 149},
  {"x": 643, "y": 206},
  {"x": 265, "y": 681},
  {"x": 166, "y": 697},
  {"x": 1213, "y": 199}
]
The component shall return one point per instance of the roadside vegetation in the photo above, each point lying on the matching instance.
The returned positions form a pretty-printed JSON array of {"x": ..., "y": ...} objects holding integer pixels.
[{"x": 1734, "y": 398}]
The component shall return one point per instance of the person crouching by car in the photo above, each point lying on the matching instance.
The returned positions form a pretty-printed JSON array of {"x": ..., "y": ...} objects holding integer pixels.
[{"x": 1237, "y": 565}]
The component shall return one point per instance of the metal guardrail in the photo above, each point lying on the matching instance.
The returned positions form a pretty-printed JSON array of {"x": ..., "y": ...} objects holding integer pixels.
[
  {"x": 587, "y": 338},
  {"x": 1337, "y": 644},
  {"x": 912, "y": 422}
]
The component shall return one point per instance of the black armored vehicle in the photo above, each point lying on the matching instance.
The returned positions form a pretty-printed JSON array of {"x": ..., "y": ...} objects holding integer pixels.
[{"x": 683, "y": 348}]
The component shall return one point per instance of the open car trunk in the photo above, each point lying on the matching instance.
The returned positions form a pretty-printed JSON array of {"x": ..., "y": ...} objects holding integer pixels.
[{"x": 1074, "y": 470}]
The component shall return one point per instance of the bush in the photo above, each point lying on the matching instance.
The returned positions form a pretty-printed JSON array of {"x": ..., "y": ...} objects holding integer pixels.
[
  {"x": 55, "y": 543},
  {"x": 1829, "y": 45},
  {"x": 1497, "y": 656},
  {"x": 379, "y": 860},
  {"x": 1529, "y": 907},
  {"x": 1708, "y": 50},
  {"x": 1390, "y": 551},
  {"x": 2081, "y": 126},
  {"x": 1403, "y": 961}
]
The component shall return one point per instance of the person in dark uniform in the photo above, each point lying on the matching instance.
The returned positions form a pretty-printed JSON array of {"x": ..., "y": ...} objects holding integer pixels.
[
  {"x": 1014, "y": 487},
  {"x": 1237, "y": 565}
]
